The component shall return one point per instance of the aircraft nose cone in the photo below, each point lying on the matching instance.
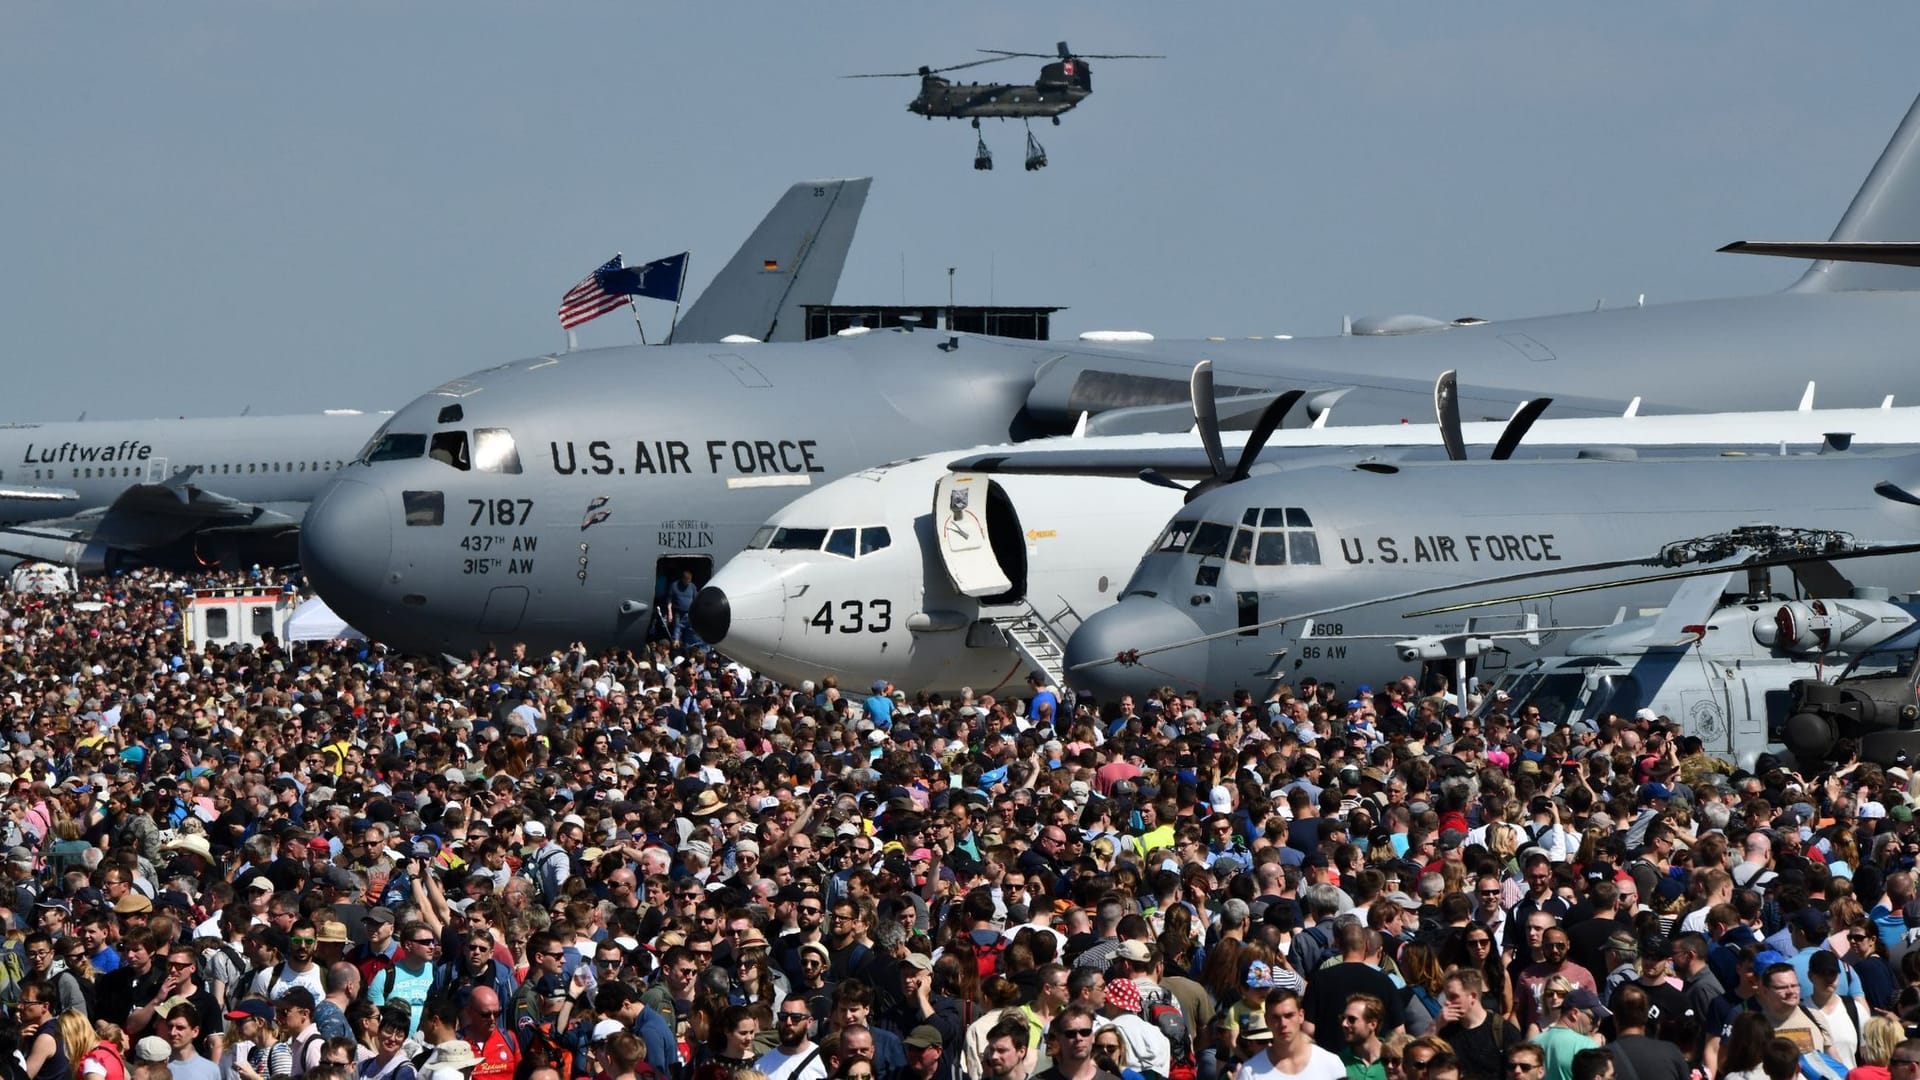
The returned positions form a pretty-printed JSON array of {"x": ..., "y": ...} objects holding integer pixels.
[
  {"x": 747, "y": 603},
  {"x": 346, "y": 547},
  {"x": 711, "y": 615},
  {"x": 1137, "y": 623}
]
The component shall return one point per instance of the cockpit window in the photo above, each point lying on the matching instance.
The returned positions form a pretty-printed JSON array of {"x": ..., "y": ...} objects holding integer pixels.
[
  {"x": 842, "y": 542},
  {"x": 1210, "y": 539},
  {"x": 1286, "y": 537},
  {"x": 874, "y": 538},
  {"x": 494, "y": 452},
  {"x": 1176, "y": 537},
  {"x": 450, "y": 448},
  {"x": 396, "y": 446},
  {"x": 760, "y": 538},
  {"x": 1242, "y": 546},
  {"x": 797, "y": 539}
]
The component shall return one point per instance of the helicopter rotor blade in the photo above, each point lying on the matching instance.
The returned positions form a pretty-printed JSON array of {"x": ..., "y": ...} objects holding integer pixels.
[
  {"x": 1119, "y": 56},
  {"x": 924, "y": 72},
  {"x": 1518, "y": 426},
  {"x": 1005, "y": 53},
  {"x": 1263, "y": 429},
  {"x": 1206, "y": 416},
  {"x": 1446, "y": 412}
]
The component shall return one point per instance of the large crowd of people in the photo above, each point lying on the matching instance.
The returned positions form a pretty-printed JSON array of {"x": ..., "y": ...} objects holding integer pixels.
[{"x": 333, "y": 861}]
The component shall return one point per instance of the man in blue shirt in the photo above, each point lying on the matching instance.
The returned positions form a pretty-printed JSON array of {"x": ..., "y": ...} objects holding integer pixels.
[{"x": 880, "y": 706}]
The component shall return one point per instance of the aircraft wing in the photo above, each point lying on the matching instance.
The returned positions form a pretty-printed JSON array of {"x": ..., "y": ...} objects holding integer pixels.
[
  {"x": 1178, "y": 463},
  {"x": 144, "y": 516}
]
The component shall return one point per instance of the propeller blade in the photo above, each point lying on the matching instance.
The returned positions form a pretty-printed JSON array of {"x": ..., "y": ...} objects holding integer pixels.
[
  {"x": 1517, "y": 428},
  {"x": 1206, "y": 415},
  {"x": 1159, "y": 479},
  {"x": 1263, "y": 429},
  {"x": 1887, "y": 489},
  {"x": 1446, "y": 412},
  {"x": 1672, "y": 575}
]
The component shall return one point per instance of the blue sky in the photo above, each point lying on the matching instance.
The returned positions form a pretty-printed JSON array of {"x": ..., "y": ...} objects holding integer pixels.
[{"x": 290, "y": 206}]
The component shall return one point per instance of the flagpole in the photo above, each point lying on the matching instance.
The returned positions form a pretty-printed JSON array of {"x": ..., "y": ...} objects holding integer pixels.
[
  {"x": 636, "y": 318},
  {"x": 685, "y": 268}
]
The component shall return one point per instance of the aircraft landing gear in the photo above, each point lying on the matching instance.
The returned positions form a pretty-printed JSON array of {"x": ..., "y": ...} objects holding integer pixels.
[
  {"x": 1056, "y": 121},
  {"x": 982, "y": 157},
  {"x": 1036, "y": 154}
]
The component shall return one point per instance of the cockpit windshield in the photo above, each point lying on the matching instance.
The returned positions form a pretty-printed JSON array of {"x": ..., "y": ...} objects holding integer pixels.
[
  {"x": 1565, "y": 696},
  {"x": 846, "y": 542},
  {"x": 494, "y": 451},
  {"x": 396, "y": 446},
  {"x": 1286, "y": 536}
]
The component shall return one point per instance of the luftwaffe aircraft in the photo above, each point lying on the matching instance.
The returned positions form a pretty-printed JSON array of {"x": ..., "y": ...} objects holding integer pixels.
[
  {"x": 636, "y": 480},
  {"x": 97, "y": 495},
  {"x": 930, "y": 575}
]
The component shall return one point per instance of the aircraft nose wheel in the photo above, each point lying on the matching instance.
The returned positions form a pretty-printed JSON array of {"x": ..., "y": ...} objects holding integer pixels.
[
  {"x": 982, "y": 157},
  {"x": 1036, "y": 154}
]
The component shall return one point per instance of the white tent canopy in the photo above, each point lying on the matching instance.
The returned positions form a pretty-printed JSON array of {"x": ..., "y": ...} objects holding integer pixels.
[{"x": 315, "y": 621}]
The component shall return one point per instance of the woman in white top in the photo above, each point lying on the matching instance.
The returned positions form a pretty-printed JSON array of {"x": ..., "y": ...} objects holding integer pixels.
[{"x": 1842, "y": 1016}]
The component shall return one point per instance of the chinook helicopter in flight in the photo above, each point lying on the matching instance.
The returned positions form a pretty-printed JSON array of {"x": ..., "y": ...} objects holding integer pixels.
[{"x": 1064, "y": 82}]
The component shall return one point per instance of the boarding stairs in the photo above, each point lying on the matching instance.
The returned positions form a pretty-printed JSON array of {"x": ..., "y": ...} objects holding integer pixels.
[{"x": 1041, "y": 641}]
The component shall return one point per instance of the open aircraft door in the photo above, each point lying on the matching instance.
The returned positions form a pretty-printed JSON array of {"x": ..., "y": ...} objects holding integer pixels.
[{"x": 960, "y": 511}]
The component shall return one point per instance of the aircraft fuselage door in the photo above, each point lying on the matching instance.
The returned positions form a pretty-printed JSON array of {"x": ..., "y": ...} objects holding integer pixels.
[
  {"x": 960, "y": 523},
  {"x": 157, "y": 470}
]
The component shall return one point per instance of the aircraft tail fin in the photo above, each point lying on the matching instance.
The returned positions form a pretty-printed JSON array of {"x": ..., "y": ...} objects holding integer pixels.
[
  {"x": 1886, "y": 208},
  {"x": 792, "y": 259}
]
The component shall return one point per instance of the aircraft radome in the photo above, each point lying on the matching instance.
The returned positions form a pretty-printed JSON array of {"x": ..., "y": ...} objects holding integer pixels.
[
  {"x": 98, "y": 495},
  {"x": 870, "y": 576}
]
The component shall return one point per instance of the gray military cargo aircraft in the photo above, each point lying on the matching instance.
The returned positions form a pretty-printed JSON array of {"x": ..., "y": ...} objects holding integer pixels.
[
  {"x": 1314, "y": 570},
  {"x": 432, "y": 556},
  {"x": 97, "y": 495}
]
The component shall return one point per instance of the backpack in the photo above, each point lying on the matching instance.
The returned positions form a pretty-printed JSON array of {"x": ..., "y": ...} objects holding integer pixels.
[
  {"x": 1310, "y": 948},
  {"x": 535, "y": 869},
  {"x": 537, "y": 1037},
  {"x": 987, "y": 957},
  {"x": 1172, "y": 1024}
]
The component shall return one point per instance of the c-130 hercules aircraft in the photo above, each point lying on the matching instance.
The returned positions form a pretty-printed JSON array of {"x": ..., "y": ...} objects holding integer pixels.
[{"x": 609, "y": 491}]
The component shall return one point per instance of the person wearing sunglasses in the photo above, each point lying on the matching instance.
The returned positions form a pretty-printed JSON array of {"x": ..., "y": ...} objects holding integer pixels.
[
  {"x": 411, "y": 976},
  {"x": 1071, "y": 1035},
  {"x": 298, "y": 969}
]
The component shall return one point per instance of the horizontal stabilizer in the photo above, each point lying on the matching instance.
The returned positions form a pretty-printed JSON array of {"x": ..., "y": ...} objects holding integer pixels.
[{"x": 1887, "y": 253}]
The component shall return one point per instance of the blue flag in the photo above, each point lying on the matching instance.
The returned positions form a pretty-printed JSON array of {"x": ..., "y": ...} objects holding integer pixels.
[{"x": 661, "y": 279}]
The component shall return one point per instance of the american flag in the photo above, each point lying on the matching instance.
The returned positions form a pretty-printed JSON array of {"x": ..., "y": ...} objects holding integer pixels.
[{"x": 590, "y": 299}]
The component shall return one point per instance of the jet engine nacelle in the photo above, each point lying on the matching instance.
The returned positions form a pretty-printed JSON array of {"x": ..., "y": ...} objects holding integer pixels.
[{"x": 1849, "y": 627}]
